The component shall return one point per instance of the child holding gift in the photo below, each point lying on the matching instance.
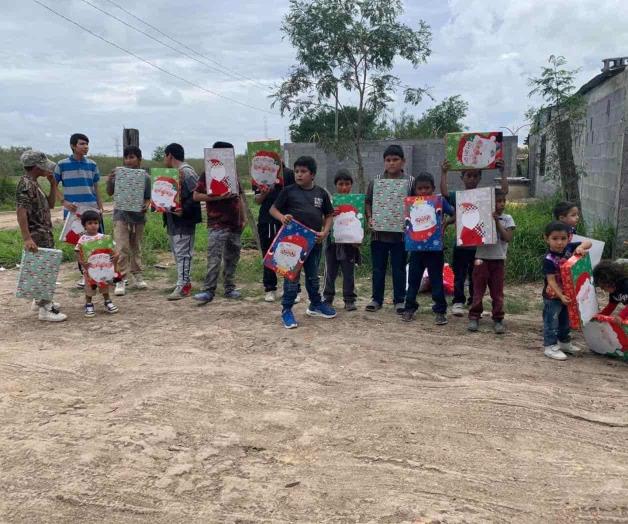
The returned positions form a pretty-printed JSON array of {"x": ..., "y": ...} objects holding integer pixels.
[
  {"x": 91, "y": 223},
  {"x": 556, "y": 339},
  {"x": 311, "y": 205},
  {"x": 490, "y": 269},
  {"x": 464, "y": 257},
  {"x": 343, "y": 257},
  {"x": 128, "y": 226},
  {"x": 612, "y": 277},
  {"x": 568, "y": 213},
  {"x": 433, "y": 261}
]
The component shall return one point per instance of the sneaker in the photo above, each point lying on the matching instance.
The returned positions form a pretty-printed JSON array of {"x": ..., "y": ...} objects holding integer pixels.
[
  {"x": 373, "y": 306},
  {"x": 400, "y": 307},
  {"x": 473, "y": 325},
  {"x": 554, "y": 352},
  {"x": 408, "y": 315},
  {"x": 287, "y": 317},
  {"x": 204, "y": 297},
  {"x": 298, "y": 299},
  {"x": 569, "y": 348},
  {"x": 35, "y": 307},
  {"x": 350, "y": 306},
  {"x": 322, "y": 310},
  {"x": 457, "y": 309},
  {"x": 89, "y": 310},
  {"x": 499, "y": 327},
  {"x": 269, "y": 296},
  {"x": 110, "y": 307},
  {"x": 178, "y": 293},
  {"x": 51, "y": 314},
  {"x": 140, "y": 283},
  {"x": 120, "y": 289},
  {"x": 81, "y": 283},
  {"x": 440, "y": 319},
  {"x": 234, "y": 294}
]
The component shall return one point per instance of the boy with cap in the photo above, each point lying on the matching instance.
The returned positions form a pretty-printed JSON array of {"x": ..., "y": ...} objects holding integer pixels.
[{"x": 33, "y": 216}]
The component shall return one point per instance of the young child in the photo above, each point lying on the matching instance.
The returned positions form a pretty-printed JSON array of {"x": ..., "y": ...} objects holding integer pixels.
[
  {"x": 343, "y": 257},
  {"x": 464, "y": 257},
  {"x": 490, "y": 269},
  {"x": 556, "y": 339},
  {"x": 385, "y": 244},
  {"x": 91, "y": 222},
  {"x": 311, "y": 205},
  {"x": 128, "y": 226},
  {"x": 568, "y": 213},
  {"x": 225, "y": 221},
  {"x": 612, "y": 277},
  {"x": 433, "y": 261},
  {"x": 181, "y": 224}
]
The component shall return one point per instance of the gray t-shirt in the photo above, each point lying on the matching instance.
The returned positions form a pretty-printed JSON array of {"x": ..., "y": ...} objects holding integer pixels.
[{"x": 497, "y": 251}]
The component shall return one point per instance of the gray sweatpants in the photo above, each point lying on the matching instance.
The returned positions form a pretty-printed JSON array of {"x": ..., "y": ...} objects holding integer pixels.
[
  {"x": 223, "y": 246},
  {"x": 182, "y": 246}
]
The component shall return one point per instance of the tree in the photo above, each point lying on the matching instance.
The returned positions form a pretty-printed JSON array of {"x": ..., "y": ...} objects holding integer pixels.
[
  {"x": 346, "y": 49},
  {"x": 563, "y": 110},
  {"x": 159, "y": 153},
  {"x": 437, "y": 121},
  {"x": 319, "y": 126}
]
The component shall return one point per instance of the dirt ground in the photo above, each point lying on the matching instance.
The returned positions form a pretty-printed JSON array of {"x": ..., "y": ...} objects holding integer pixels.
[
  {"x": 8, "y": 219},
  {"x": 168, "y": 412}
]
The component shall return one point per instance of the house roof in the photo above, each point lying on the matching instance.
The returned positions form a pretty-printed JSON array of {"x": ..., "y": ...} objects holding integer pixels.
[{"x": 600, "y": 79}]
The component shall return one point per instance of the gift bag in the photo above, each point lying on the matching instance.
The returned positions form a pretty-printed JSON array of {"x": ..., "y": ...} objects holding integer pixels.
[
  {"x": 348, "y": 227},
  {"x": 577, "y": 280},
  {"x": 72, "y": 228},
  {"x": 265, "y": 162},
  {"x": 164, "y": 196},
  {"x": 423, "y": 223},
  {"x": 38, "y": 274},
  {"x": 220, "y": 171},
  {"x": 97, "y": 257},
  {"x": 477, "y": 150},
  {"x": 475, "y": 225},
  {"x": 289, "y": 249},
  {"x": 388, "y": 196},
  {"x": 128, "y": 193},
  {"x": 607, "y": 336}
]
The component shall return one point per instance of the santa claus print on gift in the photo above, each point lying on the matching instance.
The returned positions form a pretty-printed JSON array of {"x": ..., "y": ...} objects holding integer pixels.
[
  {"x": 477, "y": 150},
  {"x": 475, "y": 225},
  {"x": 291, "y": 247},
  {"x": 423, "y": 223},
  {"x": 348, "y": 227},
  {"x": 220, "y": 171},
  {"x": 265, "y": 162},
  {"x": 164, "y": 195}
]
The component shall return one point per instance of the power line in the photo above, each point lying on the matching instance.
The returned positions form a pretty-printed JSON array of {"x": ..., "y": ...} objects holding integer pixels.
[
  {"x": 174, "y": 75},
  {"x": 148, "y": 35},
  {"x": 154, "y": 28}
]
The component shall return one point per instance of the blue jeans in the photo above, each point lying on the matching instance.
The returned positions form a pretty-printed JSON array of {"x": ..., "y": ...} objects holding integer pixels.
[
  {"x": 555, "y": 322},
  {"x": 379, "y": 257},
  {"x": 433, "y": 261},
  {"x": 312, "y": 284}
]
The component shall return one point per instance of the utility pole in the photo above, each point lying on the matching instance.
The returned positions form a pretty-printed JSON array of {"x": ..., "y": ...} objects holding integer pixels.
[
  {"x": 117, "y": 146},
  {"x": 130, "y": 137}
]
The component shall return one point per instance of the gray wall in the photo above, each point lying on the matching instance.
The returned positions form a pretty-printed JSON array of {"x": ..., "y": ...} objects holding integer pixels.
[{"x": 421, "y": 155}]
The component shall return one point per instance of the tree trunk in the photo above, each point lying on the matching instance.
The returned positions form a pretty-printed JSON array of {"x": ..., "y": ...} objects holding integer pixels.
[
  {"x": 567, "y": 166},
  {"x": 360, "y": 175}
]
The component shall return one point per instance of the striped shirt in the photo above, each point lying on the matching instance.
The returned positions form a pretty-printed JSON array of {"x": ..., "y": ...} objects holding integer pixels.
[{"x": 79, "y": 178}]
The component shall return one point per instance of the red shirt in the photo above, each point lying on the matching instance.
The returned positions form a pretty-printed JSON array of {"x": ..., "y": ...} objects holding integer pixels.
[{"x": 222, "y": 214}]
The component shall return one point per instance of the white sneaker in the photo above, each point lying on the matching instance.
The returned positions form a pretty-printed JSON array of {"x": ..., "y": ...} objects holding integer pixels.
[
  {"x": 457, "y": 309},
  {"x": 569, "y": 348},
  {"x": 298, "y": 299},
  {"x": 139, "y": 282},
  {"x": 269, "y": 296},
  {"x": 35, "y": 307},
  {"x": 120, "y": 289},
  {"x": 81, "y": 283},
  {"x": 51, "y": 314},
  {"x": 554, "y": 352}
]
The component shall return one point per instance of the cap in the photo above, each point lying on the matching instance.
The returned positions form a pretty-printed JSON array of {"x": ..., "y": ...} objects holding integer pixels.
[{"x": 32, "y": 158}]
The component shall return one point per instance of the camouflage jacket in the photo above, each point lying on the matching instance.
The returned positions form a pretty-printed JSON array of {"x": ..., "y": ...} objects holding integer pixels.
[{"x": 30, "y": 197}]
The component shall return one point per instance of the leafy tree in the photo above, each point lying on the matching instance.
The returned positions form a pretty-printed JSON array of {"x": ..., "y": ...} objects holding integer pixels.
[
  {"x": 319, "y": 125},
  {"x": 563, "y": 110},
  {"x": 437, "y": 121},
  {"x": 345, "y": 51},
  {"x": 159, "y": 153}
]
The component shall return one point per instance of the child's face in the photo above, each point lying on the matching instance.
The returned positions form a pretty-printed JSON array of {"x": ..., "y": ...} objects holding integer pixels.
[
  {"x": 571, "y": 218},
  {"x": 471, "y": 178},
  {"x": 91, "y": 227},
  {"x": 393, "y": 164},
  {"x": 423, "y": 189},
  {"x": 168, "y": 160},
  {"x": 557, "y": 241},
  {"x": 500, "y": 205},
  {"x": 343, "y": 186},
  {"x": 132, "y": 161},
  {"x": 81, "y": 148},
  {"x": 303, "y": 176}
]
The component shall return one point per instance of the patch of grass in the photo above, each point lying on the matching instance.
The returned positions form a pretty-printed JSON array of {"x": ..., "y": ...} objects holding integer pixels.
[{"x": 516, "y": 305}]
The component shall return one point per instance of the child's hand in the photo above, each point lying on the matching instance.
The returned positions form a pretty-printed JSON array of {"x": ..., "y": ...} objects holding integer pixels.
[
  {"x": 495, "y": 216},
  {"x": 178, "y": 212},
  {"x": 321, "y": 236},
  {"x": 29, "y": 245},
  {"x": 286, "y": 219},
  {"x": 370, "y": 222},
  {"x": 565, "y": 299},
  {"x": 580, "y": 251},
  {"x": 445, "y": 166},
  {"x": 264, "y": 189},
  {"x": 115, "y": 257}
]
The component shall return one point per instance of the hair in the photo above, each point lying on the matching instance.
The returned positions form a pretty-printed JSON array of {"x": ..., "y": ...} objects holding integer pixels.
[
  {"x": 132, "y": 150},
  {"x": 90, "y": 215},
  {"x": 394, "y": 150},
  {"x": 478, "y": 171},
  {"x": 307, "y": 162},
  {"x": 423, "y": 176},
  {"x": 343, "y": 174},
  {"x": 609, "y": 273},
  {"x": 562, "y": 208},
  {"x": 499, "y": 193},
  {"x": 556, "y": 226},
  {"x": 76, "y": 137},
  {"x": 223, "y": 145},
  {"x": 176, "y": 150},
  {"x": 29, "y": 168}
]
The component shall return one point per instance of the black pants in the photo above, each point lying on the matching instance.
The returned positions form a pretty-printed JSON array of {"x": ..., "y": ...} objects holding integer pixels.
[
  {"x": 433, "y": 261},
  {"x": 380, "y": 252},
  {"x": 332, "y": 266},
  {"x": 463, "y": 260},
  {"x": 267, "y": 233}
]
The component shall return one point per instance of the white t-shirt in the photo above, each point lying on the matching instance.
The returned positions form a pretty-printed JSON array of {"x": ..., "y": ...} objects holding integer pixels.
[{"x": 497, "y": 251}]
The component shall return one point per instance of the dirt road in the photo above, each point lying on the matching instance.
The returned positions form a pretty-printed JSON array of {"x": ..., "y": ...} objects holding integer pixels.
[
  {"x": 9, "y": 221},
  {"x": 172, "y": 413}
]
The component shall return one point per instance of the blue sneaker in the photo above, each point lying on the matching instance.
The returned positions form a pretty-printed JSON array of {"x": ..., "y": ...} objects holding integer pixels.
[
  {"x": 204, "y": 297},
  {"x": 233, "y": 294},
  {"x": 322, "y": 310},
  {"x": 287, "y": 317}
]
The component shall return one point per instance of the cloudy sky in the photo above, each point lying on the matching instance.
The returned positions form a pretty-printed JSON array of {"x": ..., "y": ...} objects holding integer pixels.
[{"x": 57, "y": 79}]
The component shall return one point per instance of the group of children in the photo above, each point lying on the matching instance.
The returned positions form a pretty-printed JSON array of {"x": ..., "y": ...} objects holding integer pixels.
[{"x": 297, "y": 197}]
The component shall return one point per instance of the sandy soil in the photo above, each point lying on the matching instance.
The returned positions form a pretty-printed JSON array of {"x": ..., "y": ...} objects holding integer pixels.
[
  {"x": 172, "y": 413},
  {"x": 8, "y": 219}
]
